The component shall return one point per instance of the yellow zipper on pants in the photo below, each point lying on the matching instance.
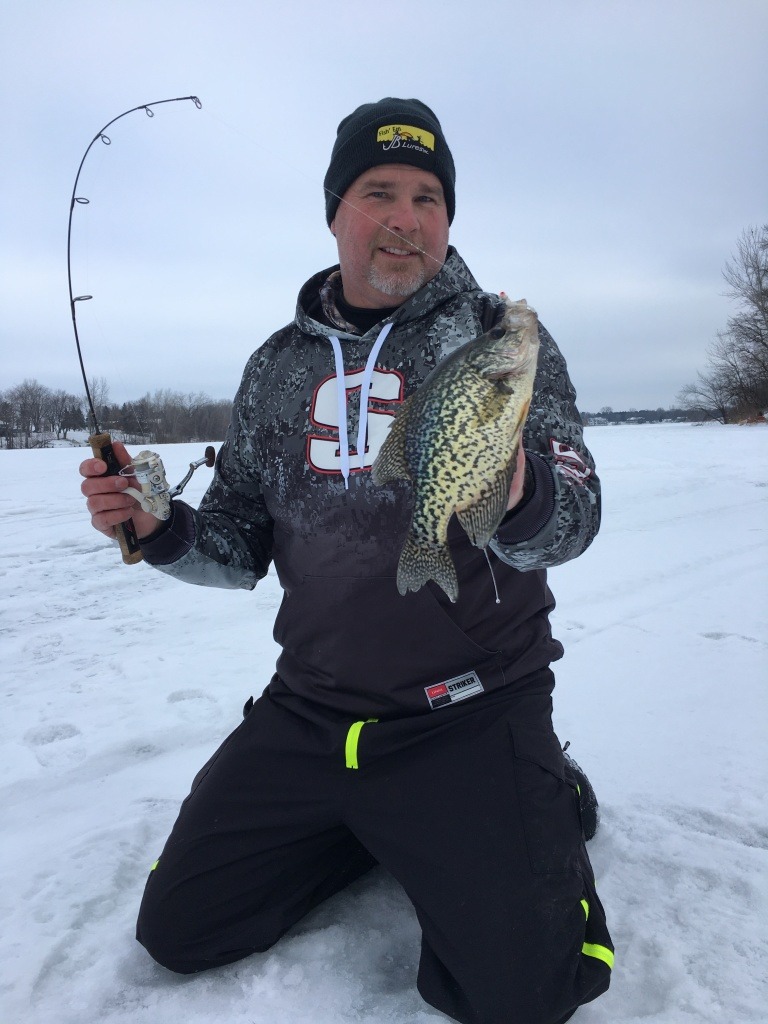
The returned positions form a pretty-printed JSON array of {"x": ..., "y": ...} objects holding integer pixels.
[{"x": 353, "y": 737}]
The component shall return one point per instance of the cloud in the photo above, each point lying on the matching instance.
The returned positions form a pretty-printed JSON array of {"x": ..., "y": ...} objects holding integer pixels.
[{"x": 608, "y": 155}]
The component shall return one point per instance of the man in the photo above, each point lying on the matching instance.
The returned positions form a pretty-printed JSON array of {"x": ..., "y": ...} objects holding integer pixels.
[{"x": 407, "y": 731}]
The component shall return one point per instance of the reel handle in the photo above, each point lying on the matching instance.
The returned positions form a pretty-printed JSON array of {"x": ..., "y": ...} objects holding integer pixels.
[{"x": 101, "y": 446}]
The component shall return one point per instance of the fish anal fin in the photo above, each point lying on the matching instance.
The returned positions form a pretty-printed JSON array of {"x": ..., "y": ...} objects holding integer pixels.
[{"x": 481, "y": 518}]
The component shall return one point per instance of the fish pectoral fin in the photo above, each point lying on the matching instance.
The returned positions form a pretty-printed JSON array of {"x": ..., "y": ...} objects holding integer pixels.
[
  {"x": 390, "y": 463},
  {"x": 481, "y": 519},
  {"x": 420, "y": 562}
]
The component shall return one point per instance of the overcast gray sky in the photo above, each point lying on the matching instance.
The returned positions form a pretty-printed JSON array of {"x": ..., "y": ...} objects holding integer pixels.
[{"x": 609, "y": 153}]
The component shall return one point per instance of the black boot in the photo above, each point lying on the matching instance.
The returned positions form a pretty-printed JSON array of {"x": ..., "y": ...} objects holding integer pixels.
[{"x": 590, "y": 810}]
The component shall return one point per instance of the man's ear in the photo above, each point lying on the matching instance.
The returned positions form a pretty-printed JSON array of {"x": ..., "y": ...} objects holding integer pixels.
[{"x": 333, "y": 227}]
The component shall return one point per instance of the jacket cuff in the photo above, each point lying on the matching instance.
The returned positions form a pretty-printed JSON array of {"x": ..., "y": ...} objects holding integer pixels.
[
  {"x": 172, "y": 539},
  {"x": 533, "y": 513}
]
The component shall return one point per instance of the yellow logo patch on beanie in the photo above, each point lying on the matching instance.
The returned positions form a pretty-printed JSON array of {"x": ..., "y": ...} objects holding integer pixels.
[{"x": 406, "y": 136}]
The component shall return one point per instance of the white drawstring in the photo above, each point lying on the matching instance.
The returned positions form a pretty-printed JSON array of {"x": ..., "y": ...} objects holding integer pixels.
[
  {"x": 365, "y": 387},
  {"x": 341, "y": 404},
  {"x": 341, "y": 400}
]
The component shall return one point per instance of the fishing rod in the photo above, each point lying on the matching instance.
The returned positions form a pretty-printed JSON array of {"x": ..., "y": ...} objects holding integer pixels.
[{"x": 154, "y": 494}]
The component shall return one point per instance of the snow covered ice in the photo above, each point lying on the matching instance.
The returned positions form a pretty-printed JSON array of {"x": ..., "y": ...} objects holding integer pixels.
[{"x": 118, "y": 683}]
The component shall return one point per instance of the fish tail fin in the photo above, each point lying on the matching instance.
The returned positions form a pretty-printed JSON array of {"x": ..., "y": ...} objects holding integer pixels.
[{"x": 422, "y": 562}]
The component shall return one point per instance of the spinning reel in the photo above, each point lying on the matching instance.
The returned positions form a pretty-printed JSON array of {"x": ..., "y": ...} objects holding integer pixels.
[{"x": 155, "y": 494}]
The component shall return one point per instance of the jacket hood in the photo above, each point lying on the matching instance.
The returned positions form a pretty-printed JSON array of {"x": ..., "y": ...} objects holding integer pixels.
[{"x": 453, "y": 279}]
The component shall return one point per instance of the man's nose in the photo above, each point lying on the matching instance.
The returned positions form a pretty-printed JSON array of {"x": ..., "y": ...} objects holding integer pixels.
[{"x": 402, "y": 217}]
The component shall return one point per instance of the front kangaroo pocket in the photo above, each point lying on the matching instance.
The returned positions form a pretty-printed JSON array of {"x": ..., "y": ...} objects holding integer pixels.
[{"x": 363, "y": 634}]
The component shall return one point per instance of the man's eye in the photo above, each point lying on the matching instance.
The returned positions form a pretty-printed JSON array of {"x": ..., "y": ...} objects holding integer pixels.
[{"x": 425, "y": 199}]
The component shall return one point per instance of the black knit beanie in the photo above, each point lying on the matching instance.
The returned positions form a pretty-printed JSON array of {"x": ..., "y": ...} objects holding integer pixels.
[{"x": 392, "y": 131}]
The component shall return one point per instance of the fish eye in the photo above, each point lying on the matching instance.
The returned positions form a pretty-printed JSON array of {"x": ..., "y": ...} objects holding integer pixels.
[{"x": 497, "y": 333}]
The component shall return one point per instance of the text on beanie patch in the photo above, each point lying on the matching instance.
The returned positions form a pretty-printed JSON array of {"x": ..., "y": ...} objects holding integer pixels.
[{"x": 405, "y": 136}]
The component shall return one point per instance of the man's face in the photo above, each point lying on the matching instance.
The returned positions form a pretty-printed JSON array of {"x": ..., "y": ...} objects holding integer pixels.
[{"x": 391, "y": 230}]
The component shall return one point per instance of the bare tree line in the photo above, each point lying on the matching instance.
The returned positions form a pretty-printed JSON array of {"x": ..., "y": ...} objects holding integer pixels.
[
  {"x": 32, "y": 415},
  {"x": 734, "y": 386}
]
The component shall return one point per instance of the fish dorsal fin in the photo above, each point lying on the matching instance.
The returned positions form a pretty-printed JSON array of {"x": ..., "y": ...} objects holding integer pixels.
[
  {"x": 390, "y": 463},
  {"x": 481, "y": 519}
]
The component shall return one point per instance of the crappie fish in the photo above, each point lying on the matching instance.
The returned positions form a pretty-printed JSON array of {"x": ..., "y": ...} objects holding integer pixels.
[{"x": 456, "y": 440}]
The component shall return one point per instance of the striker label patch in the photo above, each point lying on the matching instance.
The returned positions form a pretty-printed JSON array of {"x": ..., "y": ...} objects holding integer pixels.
[{"x": 454, "y": 689}]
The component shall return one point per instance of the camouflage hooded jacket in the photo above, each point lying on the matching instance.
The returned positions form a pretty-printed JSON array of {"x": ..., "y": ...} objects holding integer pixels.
[{"x": 281, "y": 492}]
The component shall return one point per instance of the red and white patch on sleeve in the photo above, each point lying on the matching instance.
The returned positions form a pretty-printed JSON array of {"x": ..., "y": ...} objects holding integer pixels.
[{"x": 568, "y": 462}]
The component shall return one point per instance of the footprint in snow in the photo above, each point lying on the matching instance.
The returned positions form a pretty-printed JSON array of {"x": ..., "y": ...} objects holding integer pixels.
[
  {"x": 726, "y": 636},
  {"x": 44, "y": 649},
  {"x": 56, "y": 745},
  {"x": 194, "y": 705}
]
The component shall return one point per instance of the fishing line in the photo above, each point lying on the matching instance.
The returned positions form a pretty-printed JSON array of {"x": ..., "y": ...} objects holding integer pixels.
[
  {"x": 307, "y": 177},
  {"x": 493, "y": 574},
  {"x": 82, "y": 200}
]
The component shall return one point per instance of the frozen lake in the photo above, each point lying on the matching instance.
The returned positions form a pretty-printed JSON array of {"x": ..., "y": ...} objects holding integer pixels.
[{"x": 118, "y": 682}]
